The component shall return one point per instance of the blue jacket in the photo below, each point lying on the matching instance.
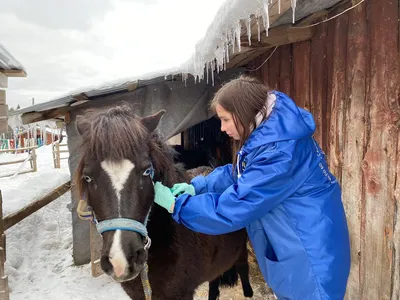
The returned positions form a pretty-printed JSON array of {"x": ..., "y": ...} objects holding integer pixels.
[{"x": 289, "y": 202}]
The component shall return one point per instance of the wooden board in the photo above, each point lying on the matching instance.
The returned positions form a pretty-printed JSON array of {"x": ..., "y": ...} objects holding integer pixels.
[
  {"x": 379, "y": 164},
  {"x": 318, "y": 83},
  {"x": 301, "y": 74},
  {"x": 353, "y": 131},
  {"x": 2, "y": 96},
  {"x": 3, "y": 81}
]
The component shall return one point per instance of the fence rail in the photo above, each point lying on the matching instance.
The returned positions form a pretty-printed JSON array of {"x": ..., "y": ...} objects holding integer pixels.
[
  {"x": 31, "y": 158},
  {"x": 14, "y": 218},
  {"x": 57, "y": 154}
]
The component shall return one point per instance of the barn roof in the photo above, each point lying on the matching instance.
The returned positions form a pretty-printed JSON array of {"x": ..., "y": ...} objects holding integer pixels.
[
  {"x": 240, "y": 31},
  {"x": 9, "y": 66}
]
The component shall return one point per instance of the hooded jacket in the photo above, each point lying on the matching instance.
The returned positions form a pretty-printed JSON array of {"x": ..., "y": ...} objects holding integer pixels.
[{"x": 284, "y": 195}]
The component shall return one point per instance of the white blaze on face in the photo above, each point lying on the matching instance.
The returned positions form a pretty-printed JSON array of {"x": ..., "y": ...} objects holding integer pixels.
[
  {"x": 117, "y": 256},
  {"x": 119, "y": 173}
]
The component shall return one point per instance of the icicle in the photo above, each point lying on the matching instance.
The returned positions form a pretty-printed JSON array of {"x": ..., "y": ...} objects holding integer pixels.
[
  {"x": 207, "y": 70},
  {"x": 233, "y": 41},
  {"x": 266, "y": 17},
  {"x": 294, "y": 9},
  {"x": 237, "y": 31},
  {"x": 212, "y": 72},
  {"x": 258, "y": 30},
  {"x": 279, "y": 6},
  {"x": 227, "y": 52},
  {"x": 249, "y": 31}
]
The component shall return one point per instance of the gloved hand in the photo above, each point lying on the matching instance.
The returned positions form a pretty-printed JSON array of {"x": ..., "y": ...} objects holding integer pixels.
[
  {"x": 183, "y": 188},
  {"x": 164, "y": 197}
]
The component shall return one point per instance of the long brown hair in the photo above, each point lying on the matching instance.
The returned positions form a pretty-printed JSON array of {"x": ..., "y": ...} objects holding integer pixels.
[{"x": 244, "y": 97}]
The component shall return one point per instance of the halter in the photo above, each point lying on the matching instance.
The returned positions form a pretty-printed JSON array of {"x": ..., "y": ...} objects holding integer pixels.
[{"x": 85, "y": 212}]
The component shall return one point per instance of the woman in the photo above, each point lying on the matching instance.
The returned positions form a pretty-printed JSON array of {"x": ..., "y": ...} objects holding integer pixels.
[{"x": 278, "y": 187}]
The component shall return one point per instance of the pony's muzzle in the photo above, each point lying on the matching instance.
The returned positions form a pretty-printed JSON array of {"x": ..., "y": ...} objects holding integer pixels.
[{"x": 125, "y": 259}]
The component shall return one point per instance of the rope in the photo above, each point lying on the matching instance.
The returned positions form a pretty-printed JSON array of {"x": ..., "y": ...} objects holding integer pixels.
[
  {"x": 144, "y": 276},
  {"x": 331, "y": 18},
  {"x": 264, "y": 61}
]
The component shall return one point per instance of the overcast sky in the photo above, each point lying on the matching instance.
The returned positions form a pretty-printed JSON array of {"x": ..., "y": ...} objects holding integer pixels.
[{"x": 65, "y": 45}]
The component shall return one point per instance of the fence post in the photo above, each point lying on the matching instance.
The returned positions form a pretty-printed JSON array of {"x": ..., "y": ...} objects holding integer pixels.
[
  {"x": 4, "y": 291},
  {"x": 34, "y": 165},
  {"x": 58, "y": 155}
]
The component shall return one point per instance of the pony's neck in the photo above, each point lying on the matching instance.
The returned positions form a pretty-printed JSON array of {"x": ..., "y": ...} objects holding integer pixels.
[{"x": 162, "y": 156}]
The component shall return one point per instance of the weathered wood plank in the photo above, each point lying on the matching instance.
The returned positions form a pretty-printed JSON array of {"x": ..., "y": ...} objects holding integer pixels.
[
  {"x": 29, "y": 209},
  {"x": 273, "y": 69},
  {"x": 379, "y": 165},
  {"x": 354, "y": 138},
  {"x": 301, "y": 74},
  {"x": 2, "y": 96},
  {"x": 286, "y": 69},
  {"x": 318, "y": 82},
  {"x": 336, "y": 60},
  {"x": 3, "y": 81}
]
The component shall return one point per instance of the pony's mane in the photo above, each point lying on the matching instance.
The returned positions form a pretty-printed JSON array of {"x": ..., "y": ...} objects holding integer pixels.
[{"x": 117, "y": 133}]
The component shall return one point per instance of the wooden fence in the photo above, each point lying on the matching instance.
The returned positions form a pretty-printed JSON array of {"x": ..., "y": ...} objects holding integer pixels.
[
  {"x": 31, "y": 158},
  {"x": 56, "y": 146},
  {"x": 14, "y": 218}
]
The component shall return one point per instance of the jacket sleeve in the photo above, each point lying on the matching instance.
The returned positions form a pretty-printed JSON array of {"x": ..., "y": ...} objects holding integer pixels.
[
  {"x": 215, "y": 182},
  {"x": 265, "y": 183}
]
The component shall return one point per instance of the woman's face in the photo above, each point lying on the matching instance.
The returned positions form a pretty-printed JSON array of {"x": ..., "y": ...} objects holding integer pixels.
[{"x": 227, "y": 123}]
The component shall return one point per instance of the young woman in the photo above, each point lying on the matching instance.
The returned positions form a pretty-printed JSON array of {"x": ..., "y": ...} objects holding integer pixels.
[{"x": 278, "y": 187}]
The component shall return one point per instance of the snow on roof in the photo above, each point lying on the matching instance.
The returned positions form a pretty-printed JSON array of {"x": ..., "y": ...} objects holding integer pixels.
[
  {"x": 225, "y": 32},
  {"x": 7, "y": 61},
  {"x": 212, "y": 51}
]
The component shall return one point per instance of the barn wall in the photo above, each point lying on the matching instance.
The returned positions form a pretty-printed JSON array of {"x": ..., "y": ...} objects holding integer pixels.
[{"x": 348, "y": 77}]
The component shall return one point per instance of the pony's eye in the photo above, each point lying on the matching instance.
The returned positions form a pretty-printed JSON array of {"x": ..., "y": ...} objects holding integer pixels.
[
  {"x": 87, "y": 178},
  {"x": 147, "y": 172}
]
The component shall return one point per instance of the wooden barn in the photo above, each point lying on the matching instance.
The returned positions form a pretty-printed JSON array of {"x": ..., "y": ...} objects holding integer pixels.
[
  {"x": 340, "y": 60},
  {"x": 9, "y": 67}
]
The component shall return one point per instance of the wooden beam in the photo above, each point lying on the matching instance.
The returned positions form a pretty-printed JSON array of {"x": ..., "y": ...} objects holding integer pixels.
[
  {"x": 3, "y": 110},
  {"x": 3, "y": 124},
  {"x": 32, "y": 117},
  {"x": 281, "y": 35},
  {"x": 26, "y": 211},
  {"x": 274, "y": 15},
  {"x": 3, "y": 81},
  {"x": 2, "y": 96},
  {"x": 278, "y": 36},
  {"x": 14, "y": 73}
]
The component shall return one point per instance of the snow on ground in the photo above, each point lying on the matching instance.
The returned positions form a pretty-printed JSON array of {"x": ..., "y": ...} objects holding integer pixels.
[
  {"x": 39, "y": 261},
  {"x": 23, "y": 189}
]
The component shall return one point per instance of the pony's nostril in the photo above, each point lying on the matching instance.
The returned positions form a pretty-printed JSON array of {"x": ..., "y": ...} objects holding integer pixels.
[
  {"x": 139, "y": 257},
  {"x": 106, "y": 264}
]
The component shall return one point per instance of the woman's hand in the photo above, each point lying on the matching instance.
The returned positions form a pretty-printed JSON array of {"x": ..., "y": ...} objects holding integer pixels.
[
  {"x": 164, "y": 197},
  {"x": 183, "y": 188}
]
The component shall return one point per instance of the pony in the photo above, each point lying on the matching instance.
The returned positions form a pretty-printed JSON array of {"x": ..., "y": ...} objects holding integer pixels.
[{"x": 122, "y": 155}]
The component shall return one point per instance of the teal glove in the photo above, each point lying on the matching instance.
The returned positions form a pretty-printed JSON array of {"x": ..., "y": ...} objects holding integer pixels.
[
  {"x": 164, "y": 197},
  {"x": 183, "y": 188}
]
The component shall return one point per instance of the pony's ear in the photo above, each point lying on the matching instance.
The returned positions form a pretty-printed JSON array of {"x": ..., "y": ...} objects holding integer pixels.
[
  {"x": 81, "y": 124},
  {"x": 151, "y": 122}
]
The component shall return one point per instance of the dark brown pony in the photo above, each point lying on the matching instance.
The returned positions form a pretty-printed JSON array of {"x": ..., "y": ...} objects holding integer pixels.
[{"x": 120, "y": 152}]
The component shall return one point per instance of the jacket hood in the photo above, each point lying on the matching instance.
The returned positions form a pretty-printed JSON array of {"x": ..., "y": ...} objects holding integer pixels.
[{"x": 285, "y": 122}]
